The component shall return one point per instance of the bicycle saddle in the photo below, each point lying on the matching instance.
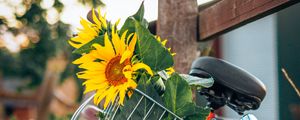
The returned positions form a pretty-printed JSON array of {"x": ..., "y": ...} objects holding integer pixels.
[{"x": 233, "y": 86}]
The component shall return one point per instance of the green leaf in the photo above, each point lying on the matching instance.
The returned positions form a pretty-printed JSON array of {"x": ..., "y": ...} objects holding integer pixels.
[
  {"x": 128, "y": 25},
  {"x": 145, "y": 86},
  {"x": 158, "y": 84},
  {"x": 88, "y": 47},
  {"x": 199, "y": 113},
  {"x": 151, "y": 51},
  {"x": 178, "y": 98},
  {"x": 178, "y": 95},
  {"x": 197, "y": 81},
  {"x": 139, "y": 15}
]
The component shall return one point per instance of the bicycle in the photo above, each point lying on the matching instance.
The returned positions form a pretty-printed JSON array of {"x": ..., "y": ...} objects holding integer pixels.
[{"x": 233, "y": 86}]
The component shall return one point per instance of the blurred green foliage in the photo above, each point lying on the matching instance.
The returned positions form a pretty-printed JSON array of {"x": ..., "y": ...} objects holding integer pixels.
[
  {"x": 30, "y": 62},
  {"x": 93, "y": 3}
]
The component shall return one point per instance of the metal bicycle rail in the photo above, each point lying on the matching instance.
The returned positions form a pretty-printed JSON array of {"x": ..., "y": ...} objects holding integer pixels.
[{"x": 111, "y": 111}]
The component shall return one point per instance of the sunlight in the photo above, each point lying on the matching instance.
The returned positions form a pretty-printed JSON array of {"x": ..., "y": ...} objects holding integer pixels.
[{"x": 200, "y": 2}]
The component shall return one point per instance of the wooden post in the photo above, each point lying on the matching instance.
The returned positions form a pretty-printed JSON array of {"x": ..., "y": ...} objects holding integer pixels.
[
  {"x": 177, "y": 22},
  {"x": 55, "y": 67}
]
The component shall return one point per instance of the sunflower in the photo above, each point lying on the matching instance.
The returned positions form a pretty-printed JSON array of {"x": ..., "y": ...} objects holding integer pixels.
[
  {"x": 90, "y": 30},
  {"x": 169, "y": 70},
  {"x": 110, "y": 69}
]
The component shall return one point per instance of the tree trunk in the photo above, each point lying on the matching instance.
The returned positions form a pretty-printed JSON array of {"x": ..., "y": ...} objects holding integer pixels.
[{"x": 177, "y": 22}]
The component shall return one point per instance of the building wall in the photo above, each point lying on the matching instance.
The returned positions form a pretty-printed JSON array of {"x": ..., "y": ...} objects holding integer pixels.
[
  {"x": 288, "y": 35},
  {"x": 253, "y": 47}
]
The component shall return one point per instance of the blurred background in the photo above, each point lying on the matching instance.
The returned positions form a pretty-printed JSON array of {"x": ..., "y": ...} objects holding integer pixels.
[{"x": 37, "y": 79}]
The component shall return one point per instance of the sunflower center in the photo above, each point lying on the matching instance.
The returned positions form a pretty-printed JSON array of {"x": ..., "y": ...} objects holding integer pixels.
[{"x": 113, "y": 71}]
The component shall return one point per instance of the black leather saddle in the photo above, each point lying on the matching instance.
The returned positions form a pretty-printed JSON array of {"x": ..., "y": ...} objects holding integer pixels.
[{"x": 233, "y": 86}]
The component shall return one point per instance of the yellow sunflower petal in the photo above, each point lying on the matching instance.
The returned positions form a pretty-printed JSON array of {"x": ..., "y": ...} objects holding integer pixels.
[
  {"x": 122, "y": 42},
  {"x": 74, "y": 44},
  {"x": 94, "y": 81},
  {"x": 132, "y": 84},
  {"x": 108, "y": 45},
  {"x": 86, "y": 25},
  {"x": 170, "y": 70},
  {"x": 142, "y": 66},
  {"x": 116, "y": 41},
  {"x": 102, "y": 19},
  {"x": 103, "y": 52},
  {"x": 85, "y": 58},
  {"x": 115, "y": 94},
  {"x": 92, "y": 87},
  {"x": 132, "y": 43},
  {"x": 126, "y": 55},
  {"x": 76, "y": 39},
  {"x": 108, "y": 98},
  {"x": 95, "y": 66},
  {"x": 90, "y": 74},
  {"x": 158, "y": 38},
  {"x": 100, "y": 94},
  {"x": 85, "y": 36},
  {"x": 129, "y": 93},
  {"x": 117, "y": 22},
  {"x": 128, "y": 38},
  {"x": 164, "y": 42},
  {"x": 127, "y": 71},
  {"x": 122, "y": 95},
  {"x": 95, "y": 19},
  {"x": 123, "y": 37}
]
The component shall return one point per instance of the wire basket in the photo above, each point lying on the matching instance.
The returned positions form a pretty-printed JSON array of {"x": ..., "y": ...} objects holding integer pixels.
[{"x": 112, "y": 109}]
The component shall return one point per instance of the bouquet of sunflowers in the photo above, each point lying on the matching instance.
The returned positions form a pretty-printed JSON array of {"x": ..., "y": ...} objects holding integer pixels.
[{"x": 131, "y": 71}]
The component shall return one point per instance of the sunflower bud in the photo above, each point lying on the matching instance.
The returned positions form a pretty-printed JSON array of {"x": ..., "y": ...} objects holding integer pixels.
[{"x": 90, "y": 15}]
